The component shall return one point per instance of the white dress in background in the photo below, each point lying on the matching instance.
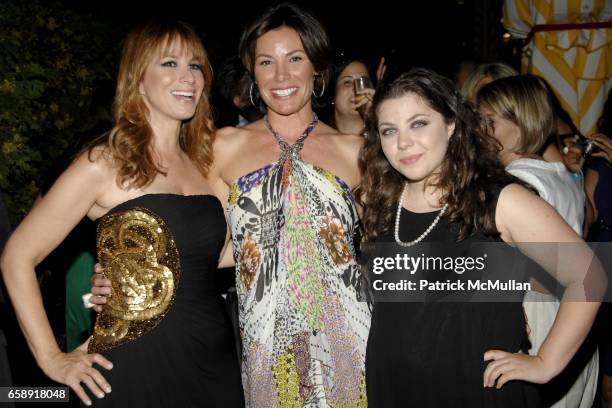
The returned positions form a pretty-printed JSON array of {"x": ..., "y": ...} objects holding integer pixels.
[{"x": 556, "y": 185}]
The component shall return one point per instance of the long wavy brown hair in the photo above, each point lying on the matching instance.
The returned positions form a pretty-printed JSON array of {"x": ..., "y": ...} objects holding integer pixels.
[
  {"x": 470, "y": 175},
  {"x": 128, "y": 143}
]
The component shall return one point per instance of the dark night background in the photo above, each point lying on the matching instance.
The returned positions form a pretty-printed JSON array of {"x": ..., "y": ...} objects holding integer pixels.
[
  {"x": 437, "y": 34},
  {"x": 432, "y": 33}
]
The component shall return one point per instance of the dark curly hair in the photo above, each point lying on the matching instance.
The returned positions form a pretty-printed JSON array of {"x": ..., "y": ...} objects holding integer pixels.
[{"x": 470, "y": 175}]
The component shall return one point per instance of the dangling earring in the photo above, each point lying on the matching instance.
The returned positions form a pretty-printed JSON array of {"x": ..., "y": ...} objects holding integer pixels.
[
  {"x": 322, "y": 88},
  {"x": 251, "y": 94}
]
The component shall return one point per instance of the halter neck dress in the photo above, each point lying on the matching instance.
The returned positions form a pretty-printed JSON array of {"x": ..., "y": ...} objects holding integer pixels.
[{"x": 303, "y": 321}]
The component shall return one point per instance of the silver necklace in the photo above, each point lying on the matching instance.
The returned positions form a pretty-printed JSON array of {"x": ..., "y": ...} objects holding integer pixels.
[{"x": 424, "y": 234}]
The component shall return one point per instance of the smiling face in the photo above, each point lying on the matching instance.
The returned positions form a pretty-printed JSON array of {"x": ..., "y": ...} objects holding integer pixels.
[
  {"x": 414, "y": 137},
  {"x": 345, "y": 91},
  {"x": 172, "y": 84},
  {"x": 283, "y": 72}
]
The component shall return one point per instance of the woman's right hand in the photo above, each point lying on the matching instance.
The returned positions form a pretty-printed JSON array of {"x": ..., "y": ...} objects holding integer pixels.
[
  {"x": 101, "y": 289},
  {"x": 75, "y": 368},
  {"x": 504, "y": 367},
  {"x": 605, "y": 146}
]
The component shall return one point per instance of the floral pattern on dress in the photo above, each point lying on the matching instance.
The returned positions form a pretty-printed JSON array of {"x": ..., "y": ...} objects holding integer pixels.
[
  {"x": 250, "y": 257},
  {"x": 333, "y": 235},
  {"x": 337, "y": 182},
  {"x": 303, "y": 321}
]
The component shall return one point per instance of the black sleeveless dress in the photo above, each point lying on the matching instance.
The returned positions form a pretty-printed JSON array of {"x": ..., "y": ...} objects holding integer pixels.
[
  {"x": 165, "y": 329},
  {"x": 430, "y": 355}
]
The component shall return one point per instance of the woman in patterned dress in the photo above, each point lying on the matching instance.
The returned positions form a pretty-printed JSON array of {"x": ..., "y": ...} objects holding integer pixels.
[{"x": 293, "y": 220}]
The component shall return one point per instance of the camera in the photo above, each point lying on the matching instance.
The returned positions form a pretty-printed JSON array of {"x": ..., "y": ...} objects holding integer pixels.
[{"x": 588, "y": 146}]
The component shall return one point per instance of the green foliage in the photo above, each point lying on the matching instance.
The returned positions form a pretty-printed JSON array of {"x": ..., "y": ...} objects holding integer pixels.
[{"x": 51, "y": 60}]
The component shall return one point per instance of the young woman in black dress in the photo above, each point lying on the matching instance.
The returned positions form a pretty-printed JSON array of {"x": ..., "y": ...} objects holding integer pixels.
[{"x": 431, "y": 175}]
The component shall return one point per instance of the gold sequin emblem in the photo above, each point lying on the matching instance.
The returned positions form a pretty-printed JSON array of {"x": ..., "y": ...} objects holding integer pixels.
[{"x": 139, "y": 256}]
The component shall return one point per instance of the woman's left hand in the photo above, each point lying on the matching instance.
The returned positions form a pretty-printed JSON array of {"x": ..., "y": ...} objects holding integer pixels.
[
  {"x": 604, "y": 144},
  {"x": 504, "y": 367}
]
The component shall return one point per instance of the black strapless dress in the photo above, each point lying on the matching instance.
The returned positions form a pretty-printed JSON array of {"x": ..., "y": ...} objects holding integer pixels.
[{"x": 165, "y": 328}]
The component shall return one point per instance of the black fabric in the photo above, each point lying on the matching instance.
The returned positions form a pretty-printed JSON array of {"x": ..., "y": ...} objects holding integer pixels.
[
  {"x": 189, "y": 358},
  {"x": 431, "y": 354}
]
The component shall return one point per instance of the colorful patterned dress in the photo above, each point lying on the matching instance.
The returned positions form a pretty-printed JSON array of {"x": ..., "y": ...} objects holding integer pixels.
[{"x": 303, "y": 320}]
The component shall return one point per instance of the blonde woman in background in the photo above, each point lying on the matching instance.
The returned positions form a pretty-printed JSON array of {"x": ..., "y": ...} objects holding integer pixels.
[
  {"x": 487, "y": 73},
  {"x": 520, "y": 117}
]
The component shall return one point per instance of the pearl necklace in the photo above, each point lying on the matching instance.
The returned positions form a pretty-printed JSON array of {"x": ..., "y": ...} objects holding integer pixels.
[{"x": 424, "y": 234}]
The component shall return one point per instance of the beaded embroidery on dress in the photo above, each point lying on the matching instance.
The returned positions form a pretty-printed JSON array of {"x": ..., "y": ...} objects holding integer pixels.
[
  {"x": 165, "y": 328},
  {"x": 140, "y": 257}
]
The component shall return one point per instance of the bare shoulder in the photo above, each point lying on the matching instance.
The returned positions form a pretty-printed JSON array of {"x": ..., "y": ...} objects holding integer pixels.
[
  {"x": 232, "y": 137},
  {"x": 515, "y": 197},
  {"x": 515, "y": 201},
  {"x": 88, "y": 182},
  {"x": 75, "y": 194},
  {"x": 226, "y": 142},
  {"x": 94, "y": 172},
  {"x": 231, "y": 144},
  {"x": 95, "y": 164},
  {"x": 522, "y": 215},
  {"x": 226, "y": 135},
  {"x": 352, "y": 142},
  {"x": 346, "y": 142},
  {"x": 338, "y": 153},
  {"x": 508, "y": 202}
]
